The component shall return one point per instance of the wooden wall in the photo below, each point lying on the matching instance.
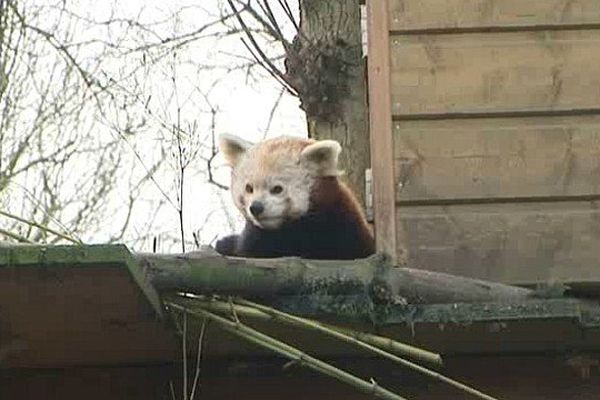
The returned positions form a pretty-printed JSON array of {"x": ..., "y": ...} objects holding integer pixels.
[
  {"x": 495, "y": 110},
  {"x": 511, "y": 378}
]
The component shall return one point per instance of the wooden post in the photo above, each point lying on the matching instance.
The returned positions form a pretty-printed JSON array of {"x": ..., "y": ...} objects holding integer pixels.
[{"x": 380, "y": 127}]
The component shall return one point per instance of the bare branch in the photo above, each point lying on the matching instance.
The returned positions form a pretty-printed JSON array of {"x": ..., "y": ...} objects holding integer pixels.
[
  {"x": 257, "y": 51},
  {"x": 272, "y": 113}
]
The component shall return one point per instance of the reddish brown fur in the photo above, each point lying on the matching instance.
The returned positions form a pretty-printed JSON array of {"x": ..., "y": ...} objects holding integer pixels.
[
  {"x": 331, "y": 194},
  {"x": 270, "y": 153}
]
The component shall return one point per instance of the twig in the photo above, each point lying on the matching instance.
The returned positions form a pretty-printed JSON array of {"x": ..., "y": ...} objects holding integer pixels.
[
  {"x": 40, "y": 226},
  {"x": 272, "y": 113},
  {"x": 266, "y": 63},
  {"x": 288, "y": 12},
  {"x": 290, "y": 352},
  {"x": 198, "y": 358},
  {"x": 172, "y": 389},
  {"x": 266, "y": 9},
  {"x": 270, "y": 25},
  {"x": 15, "y": 236},
  {"x": 214, "y": 152},
  {"x": 184, "y": 351},
  {"x": 274, "y": 74},
  {"x": 182, "y": 167}
]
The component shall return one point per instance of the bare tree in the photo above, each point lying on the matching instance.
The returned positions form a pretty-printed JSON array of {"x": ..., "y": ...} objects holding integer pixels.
[
  {"x": 323, "y": 67},
  {"x": 71, "y": 119},
  {"x": 108, "y": 119}
]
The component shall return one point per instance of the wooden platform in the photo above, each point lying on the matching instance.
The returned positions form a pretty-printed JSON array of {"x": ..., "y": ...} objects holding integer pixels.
[
  {"x": 77, "y": 305},
  {"x": 79, "y": 320},
  {"x": 88, "y": 305}
]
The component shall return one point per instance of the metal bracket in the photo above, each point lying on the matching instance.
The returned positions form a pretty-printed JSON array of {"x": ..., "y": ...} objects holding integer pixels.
[{"x": 369, "y": 194}]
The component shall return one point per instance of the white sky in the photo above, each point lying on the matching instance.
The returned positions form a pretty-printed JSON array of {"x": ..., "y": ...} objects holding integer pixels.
[{"x": 244, "y": 108}]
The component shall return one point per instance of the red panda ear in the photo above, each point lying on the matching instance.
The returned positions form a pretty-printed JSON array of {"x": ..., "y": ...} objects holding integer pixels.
[
  {"x": 233, "y": 147},
  {"x": 323, "y": 155}
]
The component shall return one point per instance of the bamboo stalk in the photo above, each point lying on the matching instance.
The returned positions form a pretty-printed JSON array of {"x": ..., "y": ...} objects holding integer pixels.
[
  {"x": 383, "y": 343},
  {"x": 339, "y": 334},
  {"x": 393, "y": 346},
  {"x": 361, "y": 339},
  {"x": 250, "y": 308},
  {"x": 290, "y": 352},
  {"x": 306, "y": 323}
]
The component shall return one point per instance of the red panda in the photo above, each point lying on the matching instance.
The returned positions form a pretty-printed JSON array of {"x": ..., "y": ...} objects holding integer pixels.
[{"x": 294, "y": 204}]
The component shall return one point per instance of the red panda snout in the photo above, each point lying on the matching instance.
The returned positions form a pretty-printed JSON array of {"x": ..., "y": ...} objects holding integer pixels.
[
  {"x": 272, "y": 198},
  {"x": 256, "y": 208},
  {"x": 265, "y": 209}
]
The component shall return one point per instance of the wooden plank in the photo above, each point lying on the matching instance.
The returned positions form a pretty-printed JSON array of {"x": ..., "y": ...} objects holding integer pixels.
[
  {"x": 510, "y": 243},
  {"x": 497, "y": 158},
  {"x": 495, "y": 72},
  {"x": 412, "y": 15},
  {"x": 91, "y": 383},
  {"x": 514, "y": 378},
  {"x": 551, "y": 376},
  {"x": 380, "y": 127},
  {"x": 54, "y": 316}
]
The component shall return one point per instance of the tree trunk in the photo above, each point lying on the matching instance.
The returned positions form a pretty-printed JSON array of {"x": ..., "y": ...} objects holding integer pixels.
[{"x": 329, "y": 70}]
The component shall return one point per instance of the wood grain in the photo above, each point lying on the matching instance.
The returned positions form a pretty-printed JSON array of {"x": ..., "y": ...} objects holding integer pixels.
[
  {"x": 452, "y": 14},
  {"x": 495, "y": 72},
  {"x": 55, "y": 316},
  {"x": 510, "y": 243},
  {"x": 518, "y": 377},
  {"x": 497, "y": 158},
  {"x": 380, "y": 128}
]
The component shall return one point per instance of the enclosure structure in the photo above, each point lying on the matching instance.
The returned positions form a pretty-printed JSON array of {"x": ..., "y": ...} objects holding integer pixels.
[
  {"x": 485, "y": 147},
  {"x": 485, "y": 135},
  {"x": 86, "y": 321}
]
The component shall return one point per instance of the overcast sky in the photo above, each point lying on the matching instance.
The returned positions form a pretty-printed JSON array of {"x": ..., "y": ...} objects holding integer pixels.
[
  {"x": 245, "y": 102},
  {"x": 245, "y": 108}
]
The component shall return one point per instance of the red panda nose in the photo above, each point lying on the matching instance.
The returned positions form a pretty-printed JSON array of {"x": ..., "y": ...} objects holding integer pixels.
[{"x": 256, "y": 208}]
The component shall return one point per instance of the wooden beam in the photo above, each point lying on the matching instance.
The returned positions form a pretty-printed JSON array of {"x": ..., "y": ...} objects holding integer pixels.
[
  {"x": 428, "y": 16},
  {"x": 491, "y": 74},
  {"x": 380, "y": 128},
  {"x": 497, "y": 160}
]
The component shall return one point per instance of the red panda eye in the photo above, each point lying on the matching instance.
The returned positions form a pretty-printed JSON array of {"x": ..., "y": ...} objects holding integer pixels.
[
  {"x": 249, "y": 188},
  {"x": 276, "y": 189}
]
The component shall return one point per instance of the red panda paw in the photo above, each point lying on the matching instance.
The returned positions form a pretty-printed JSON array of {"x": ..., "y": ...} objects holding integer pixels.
[{"x": 227, "y": 245}]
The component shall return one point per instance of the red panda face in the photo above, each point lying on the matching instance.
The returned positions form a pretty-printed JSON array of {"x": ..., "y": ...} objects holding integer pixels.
[
  {"x": 271, "y": 182},
  {"x": 269, "y": 199}
]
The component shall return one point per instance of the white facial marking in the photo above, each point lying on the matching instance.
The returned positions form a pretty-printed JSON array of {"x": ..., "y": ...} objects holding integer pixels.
[
  {"x": 284, "y": 192},
  {"x": 279, "y": 174}
]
